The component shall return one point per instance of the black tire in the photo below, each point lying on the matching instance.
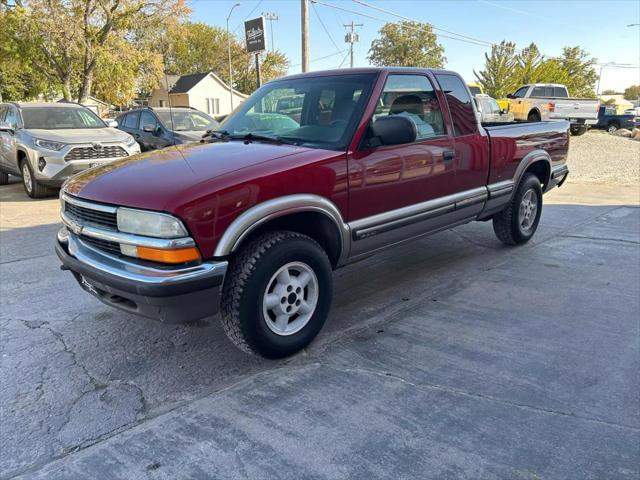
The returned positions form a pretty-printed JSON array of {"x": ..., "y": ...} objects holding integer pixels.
[
  {"x": 508, "y": 224},
  {"x": 250, "y": 278},
  {"x": 4, "y": 178},
  {"x": 533, "y": 117},
  {"x": 31, "y": 186},
  {"x": 612, "y": 127},
  {"x": 577, "y": 131}
]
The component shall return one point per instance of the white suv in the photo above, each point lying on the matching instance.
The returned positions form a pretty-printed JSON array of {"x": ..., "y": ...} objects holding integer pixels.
[{"x": 46, "y": 143}]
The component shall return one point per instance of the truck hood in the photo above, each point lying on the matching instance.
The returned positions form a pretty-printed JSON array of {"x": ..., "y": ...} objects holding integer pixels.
[
  {"x": 150, "y": 180},
  {"x": 80, "y": 135}
]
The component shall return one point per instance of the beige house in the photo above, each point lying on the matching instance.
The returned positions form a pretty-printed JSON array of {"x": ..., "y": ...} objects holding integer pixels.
[
  {"x": 618, "y": 101},
  {"x": 204, "y": 91}
]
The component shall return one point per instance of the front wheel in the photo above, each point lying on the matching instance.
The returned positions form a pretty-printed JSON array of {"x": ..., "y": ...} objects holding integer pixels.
[
  {"x": 518, "y": 222},
  {"x": 612, "y": 127},
  {"x": 33, "y": 188},
  {"x": 277, "y": 294}
]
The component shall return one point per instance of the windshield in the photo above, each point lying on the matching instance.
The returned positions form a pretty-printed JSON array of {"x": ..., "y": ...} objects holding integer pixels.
[
  {"x": 475, "y": 90},
  {"x": 59, "y": 118},
  {"x": 181, "y": 121},
  {"x": 319, "y": 112}
]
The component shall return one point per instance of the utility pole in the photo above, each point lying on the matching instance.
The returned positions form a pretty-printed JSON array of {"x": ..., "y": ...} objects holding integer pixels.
[
  {"x": 271, "y": 17},
  {"x": 229, "y": 55},
  {"x": 352, "y": 37},
  {"x": 304, "y": 20}
]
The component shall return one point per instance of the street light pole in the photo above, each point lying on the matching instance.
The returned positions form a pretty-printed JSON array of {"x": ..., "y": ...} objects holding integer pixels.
[{"x": 229, "y": 54}]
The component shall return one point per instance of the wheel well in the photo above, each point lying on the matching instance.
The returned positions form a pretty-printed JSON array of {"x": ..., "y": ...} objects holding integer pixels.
[
  {"x": 21, "y": 156},
  {"x": 535, "y": 112},
  {"x": 613, "y": 122},
  {"x": 313, "y": 224},
  {"x": 541, "y": 170}
]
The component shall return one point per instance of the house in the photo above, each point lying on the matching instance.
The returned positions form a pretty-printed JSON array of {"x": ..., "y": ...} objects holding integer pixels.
[
  {"x": 618, "y": 101},
  {"x": 99, "y": 107},
  {"x": 204, "y": 91}
]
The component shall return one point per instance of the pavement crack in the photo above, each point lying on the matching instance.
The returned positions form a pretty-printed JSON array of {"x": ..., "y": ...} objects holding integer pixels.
[{"x": 602, "y": 239}]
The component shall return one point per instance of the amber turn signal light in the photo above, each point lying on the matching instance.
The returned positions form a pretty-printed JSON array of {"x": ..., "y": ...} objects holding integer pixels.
[{"x": 178, "y": 255}]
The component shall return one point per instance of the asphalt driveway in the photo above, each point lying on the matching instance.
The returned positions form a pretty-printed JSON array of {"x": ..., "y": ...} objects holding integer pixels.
[{"x": 450, "y": 357}]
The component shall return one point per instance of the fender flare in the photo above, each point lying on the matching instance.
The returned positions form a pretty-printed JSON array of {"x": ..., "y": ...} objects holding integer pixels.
[
  {"x": 528, "y": 160},
  {"x": 268, "y": 210}
]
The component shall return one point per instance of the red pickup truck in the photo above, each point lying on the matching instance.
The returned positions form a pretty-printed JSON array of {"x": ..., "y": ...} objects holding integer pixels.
[{"x": 253, "y": 220}]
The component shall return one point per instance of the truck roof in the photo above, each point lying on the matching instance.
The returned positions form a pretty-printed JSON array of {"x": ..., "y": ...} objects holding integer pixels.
[
  {"x": 545, "y": 85},
  {"x": 364, "y": 70}
]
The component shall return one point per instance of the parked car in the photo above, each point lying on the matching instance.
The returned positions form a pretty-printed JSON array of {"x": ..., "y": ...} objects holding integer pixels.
[
  {"x": 550, "y": 101},
  {"x": 257, "y": 220},
  {"x": 490, "y": 111},
  {"x": 610, "y": 121},
  {"x": 475, "y": 89},
  {"x": 46, "y": 143},
  {"x": 155, "y": 128},
  {"x": 632, "y": 111}
]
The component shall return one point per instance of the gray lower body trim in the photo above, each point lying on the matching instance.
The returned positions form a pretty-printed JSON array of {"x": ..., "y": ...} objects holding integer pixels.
[{"x": 390, "y": 228}]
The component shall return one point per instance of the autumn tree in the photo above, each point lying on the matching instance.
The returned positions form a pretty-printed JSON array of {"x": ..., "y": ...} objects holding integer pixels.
[
  {"x": 498, "y": 77},
  {"x": 407, "y": 44},
  {"x": 632, "y": 93},
  {"x": 198, "y": 47},
  {"x": 76, "y": 43}
]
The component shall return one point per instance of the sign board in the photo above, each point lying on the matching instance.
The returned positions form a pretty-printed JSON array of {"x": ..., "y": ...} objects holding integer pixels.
[{"x": 254, "y": 34}]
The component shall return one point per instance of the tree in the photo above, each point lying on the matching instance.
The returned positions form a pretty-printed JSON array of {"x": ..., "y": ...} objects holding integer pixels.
[
  {"x": 609, "y": 92},
  {"x": 74, "y": 43},
  {"x": 407, "y": 44},
  {"x": 197, "y": 47},
  {"x": 632, "y": 93},
  {"x": 581, "y": 75},
  {"x": 499, "y": 76}
]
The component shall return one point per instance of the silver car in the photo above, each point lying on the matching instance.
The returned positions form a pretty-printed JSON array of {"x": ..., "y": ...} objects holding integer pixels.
[{"x": 46, "y": 143}]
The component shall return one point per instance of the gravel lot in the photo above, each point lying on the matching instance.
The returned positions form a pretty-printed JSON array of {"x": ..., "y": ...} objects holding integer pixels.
[{"x": 598, "y": 157}]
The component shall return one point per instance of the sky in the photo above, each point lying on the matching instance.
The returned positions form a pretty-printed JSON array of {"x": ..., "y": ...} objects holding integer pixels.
[{"x": 600, "y": 27}]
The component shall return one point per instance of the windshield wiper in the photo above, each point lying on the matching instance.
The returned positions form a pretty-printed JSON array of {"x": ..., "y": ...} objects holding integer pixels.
[
  {"x": 215, "y": 136},
  {"x": 256, "y": 136}
]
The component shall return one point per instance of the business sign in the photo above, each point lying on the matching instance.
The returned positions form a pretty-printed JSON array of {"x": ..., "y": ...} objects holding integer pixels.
[{"x": 254, "y": 34}]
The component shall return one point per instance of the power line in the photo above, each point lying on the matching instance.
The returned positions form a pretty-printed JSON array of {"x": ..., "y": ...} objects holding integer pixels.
[
  {"x": 322, "y": 58},
  {"x": 324, "y": 27}
]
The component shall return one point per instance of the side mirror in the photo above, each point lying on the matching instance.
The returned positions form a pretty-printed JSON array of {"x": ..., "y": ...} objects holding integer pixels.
[
  {"x": 504, "y": 111},
  {"x": 395, "y": 130},
  {"x": 5, "y": 127},
  {"x": 112, "y": 124},
  {"x": 510, "y": 95},
  {"x": 149, "y": 128}
]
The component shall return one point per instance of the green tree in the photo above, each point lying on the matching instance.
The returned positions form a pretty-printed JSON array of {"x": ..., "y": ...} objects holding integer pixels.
[
  {"x": 197, "y": 47},
  {"x": 499, "y": 75},
  {"x": 407, "y": 44},
  {"x": 632, "y": 93},
  {"x": 609, "y": 92},
  {"x": 581, "y": 75}
]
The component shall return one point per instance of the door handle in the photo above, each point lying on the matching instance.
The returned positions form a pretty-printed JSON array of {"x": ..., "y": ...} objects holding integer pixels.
[{"x": 448, "y": 155}]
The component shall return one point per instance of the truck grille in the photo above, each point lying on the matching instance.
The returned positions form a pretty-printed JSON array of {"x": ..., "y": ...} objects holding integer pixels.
[
  {"x": 104, "y": 245},
  {"x": 90, "y": 153},
  {"x": 87, "y": 216}
]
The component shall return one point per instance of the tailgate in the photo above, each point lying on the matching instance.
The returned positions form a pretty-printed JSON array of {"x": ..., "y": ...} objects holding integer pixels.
[{"x": 575, "y": 109}]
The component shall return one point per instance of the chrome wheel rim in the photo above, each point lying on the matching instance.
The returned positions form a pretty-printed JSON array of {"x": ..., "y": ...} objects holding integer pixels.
[
  {"x": 528, "y": 210},
  {"x": 26, "y": 177},
  {"x": 290, "y": 299}
]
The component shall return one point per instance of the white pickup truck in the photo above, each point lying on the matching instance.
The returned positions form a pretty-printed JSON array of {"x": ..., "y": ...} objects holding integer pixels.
[{"x": 551, "y": 101}]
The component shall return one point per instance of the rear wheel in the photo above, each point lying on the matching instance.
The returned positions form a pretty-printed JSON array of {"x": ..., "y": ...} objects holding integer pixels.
[
  {"x": 33, "y": 188},
  {"x": 533, "y": 117},
  {"x": 277, "y": 294},
  {"x": 4, "y": 178},
  {"x": 579, "y": 130},
  {"x": 519, "y": 221}
]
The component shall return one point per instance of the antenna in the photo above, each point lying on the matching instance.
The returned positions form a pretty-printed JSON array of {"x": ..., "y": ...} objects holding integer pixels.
[{"x": 173, "y": 126}]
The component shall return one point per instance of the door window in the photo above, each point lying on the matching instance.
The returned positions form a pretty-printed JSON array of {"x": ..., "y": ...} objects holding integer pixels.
[
  {"x": 521, "y": 92},
  {"x": 131, "y": 120},
  {"x": 412, "y": 96},
  {"x": 147, "y": 118},
  {"x": 463, "y": 115},
  {"x": 2, "y": 112},
  {"x": 12, "y": 118}
]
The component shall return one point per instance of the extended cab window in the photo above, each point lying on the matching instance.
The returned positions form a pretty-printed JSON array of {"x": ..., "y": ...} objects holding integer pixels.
[
  {"x": 460, "y": 105},
  {"x": 317, "y": 112},
  {"x": 412, "y": 96},
  {"x": 538, "y": 92},
  {"x": 560, "y": 92}
]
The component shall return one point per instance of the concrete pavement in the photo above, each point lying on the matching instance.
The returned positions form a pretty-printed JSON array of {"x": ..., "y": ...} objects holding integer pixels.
[{"x": 450, "y": 357}]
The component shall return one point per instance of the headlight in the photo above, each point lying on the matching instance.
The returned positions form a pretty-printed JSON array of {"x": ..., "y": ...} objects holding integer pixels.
[
  {"x": 130, "y": 142},
  {"x": 49, "y": 144},
  {"x": 151, "y": 224}
]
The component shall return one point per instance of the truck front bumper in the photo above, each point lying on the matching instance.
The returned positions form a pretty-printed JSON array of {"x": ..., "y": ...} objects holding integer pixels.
[{"x": 172, "y": 295}]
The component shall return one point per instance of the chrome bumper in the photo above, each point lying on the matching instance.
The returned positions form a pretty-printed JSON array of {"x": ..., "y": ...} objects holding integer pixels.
[{"x": 171, "y": 295}]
